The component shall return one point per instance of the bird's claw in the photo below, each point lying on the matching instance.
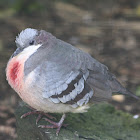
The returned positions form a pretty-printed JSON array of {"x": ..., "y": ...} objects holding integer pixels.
[{"x": 54, "y": 124}]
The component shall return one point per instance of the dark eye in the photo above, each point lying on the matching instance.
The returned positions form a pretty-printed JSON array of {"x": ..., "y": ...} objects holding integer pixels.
[{"x": 31, "y": 42}]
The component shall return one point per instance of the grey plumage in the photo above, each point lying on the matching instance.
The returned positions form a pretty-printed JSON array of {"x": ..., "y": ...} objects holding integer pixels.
[
  {"x": 65, "y": 74},
  {"x": 51, "y": 75}
]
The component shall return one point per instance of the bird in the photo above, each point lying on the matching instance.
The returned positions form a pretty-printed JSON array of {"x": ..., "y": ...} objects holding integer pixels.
[{"x": 52, "y": 76}]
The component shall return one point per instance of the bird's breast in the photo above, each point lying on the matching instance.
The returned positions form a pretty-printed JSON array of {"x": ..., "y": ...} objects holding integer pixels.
[
  {"x": 14, "y": 73},
  {"x": 15, "y": 68}
]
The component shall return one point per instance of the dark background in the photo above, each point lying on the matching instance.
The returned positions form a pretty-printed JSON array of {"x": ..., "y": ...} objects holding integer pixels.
[{"x": 107, "y": 29}]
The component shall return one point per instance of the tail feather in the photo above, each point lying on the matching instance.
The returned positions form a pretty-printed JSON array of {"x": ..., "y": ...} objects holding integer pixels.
[
  {"x": 118, "y": 88},
  {"x": 127, "y": 92}
]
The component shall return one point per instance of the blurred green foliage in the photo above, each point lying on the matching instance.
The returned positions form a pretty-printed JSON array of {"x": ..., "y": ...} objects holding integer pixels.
[
  {"x": 27, "y": 6},
  {"x": 138, "y": 10},
  {"x": 37, "y": 6},
  {"x": 138, "y": 91},
  {"x": 5, "y": 4}
]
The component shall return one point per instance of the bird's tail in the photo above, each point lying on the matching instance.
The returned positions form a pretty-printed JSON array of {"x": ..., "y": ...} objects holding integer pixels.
[
  {"x": 118, "y": 88},
  {"x": 129, "y": 93}
]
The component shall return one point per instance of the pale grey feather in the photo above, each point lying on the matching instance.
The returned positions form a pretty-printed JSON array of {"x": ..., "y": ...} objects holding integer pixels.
[
  {"x": 59, "y": 63},
  {"x": 57, "y": 66},
  {"x": 24, "y": 36}
]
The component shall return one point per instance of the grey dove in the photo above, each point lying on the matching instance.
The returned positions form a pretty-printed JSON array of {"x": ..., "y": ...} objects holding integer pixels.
[{"x": 52, "y": 76}]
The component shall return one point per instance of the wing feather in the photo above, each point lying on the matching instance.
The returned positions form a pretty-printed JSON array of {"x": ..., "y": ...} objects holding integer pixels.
[{"x": 68, "y": 75}]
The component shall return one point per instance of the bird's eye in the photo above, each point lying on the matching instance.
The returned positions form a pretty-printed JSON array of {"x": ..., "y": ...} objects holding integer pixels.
[{"x": 31, "y": 42}]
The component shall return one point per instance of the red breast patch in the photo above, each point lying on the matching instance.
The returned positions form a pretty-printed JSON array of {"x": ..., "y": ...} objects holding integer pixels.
[{"x": 14, "y": 71}]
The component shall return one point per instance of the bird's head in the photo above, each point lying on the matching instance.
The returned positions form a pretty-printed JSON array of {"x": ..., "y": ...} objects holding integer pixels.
[{"x": 31, "y": 38}]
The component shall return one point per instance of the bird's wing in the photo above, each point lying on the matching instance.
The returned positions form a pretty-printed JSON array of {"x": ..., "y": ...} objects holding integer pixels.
[
  {"x": 70, "y": 76},
  {"x": 66, "y": 77}
]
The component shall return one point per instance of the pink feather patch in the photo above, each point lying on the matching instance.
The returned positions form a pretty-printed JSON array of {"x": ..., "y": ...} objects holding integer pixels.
[{"x": 14, "y": 71}]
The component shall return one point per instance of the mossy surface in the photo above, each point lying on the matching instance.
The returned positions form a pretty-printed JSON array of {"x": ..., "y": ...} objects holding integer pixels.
[{"x": 101, "y": 122}]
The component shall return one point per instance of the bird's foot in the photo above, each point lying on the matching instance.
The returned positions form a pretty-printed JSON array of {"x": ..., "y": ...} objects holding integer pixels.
[
  {"x": 54, "y": 124},
  {"x": 40, "y": 114}
]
